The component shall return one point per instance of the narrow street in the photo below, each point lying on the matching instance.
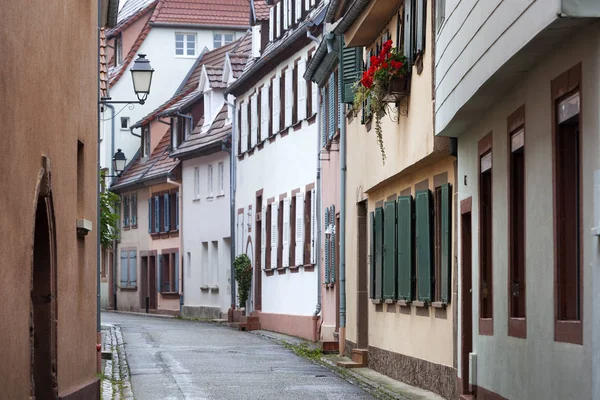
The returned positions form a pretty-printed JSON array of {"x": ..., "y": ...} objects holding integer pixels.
[{"x": 176, "y": 359}]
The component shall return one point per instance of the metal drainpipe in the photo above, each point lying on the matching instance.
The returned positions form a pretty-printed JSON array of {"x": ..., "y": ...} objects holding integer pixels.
[
  {"x": 98, "y": 287},
  {"x": 180, "y": 188},
  {"x": 342, "y": 336},
  {"x": 232, "y": 172}
]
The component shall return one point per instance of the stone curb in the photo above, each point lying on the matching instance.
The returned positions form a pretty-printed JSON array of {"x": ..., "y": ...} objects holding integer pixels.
[
  {"x": 116, "y": 384},
  {"x": 141, "y": 314}
]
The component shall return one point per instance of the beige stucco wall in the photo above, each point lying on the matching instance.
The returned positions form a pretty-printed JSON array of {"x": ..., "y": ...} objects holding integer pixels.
[
  {"x": 537, "y": 367},
  {"x": 48, "y": 105},
  {"x": 170, "y": 304}
]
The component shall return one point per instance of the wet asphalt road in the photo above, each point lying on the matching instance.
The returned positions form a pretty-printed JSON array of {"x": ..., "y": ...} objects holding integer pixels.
[{"x": 175, "y": 359}]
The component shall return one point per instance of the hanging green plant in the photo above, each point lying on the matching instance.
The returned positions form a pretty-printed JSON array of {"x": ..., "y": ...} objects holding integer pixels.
[
  {"x": 386, "y": 73},
  {"x": 243, "y": 276}
]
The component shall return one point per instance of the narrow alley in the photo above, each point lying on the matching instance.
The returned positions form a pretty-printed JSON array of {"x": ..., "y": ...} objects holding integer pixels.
[{"x": 179, "y": 359}]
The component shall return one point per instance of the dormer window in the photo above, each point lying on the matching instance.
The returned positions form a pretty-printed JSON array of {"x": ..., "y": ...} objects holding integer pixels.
[
  {"x": 207, "y": 109},
  {"x": 187, "y": 124},
  {"x": 118, "y": 50},
  {"x": 146, "y": 141}
]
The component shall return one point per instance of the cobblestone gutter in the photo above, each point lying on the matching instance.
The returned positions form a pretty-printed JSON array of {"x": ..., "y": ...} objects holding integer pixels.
[{"x": 115, "y": 384}]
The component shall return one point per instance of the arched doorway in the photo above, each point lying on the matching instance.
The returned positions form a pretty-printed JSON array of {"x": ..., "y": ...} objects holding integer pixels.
[{"x": 44, "y": 383}]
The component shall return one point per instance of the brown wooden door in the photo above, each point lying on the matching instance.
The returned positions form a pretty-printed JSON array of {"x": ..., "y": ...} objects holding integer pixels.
[
  {"x": 143, "y": 281},
  {"x": 152, "y": 293},
  {"x": 466, "y": 299}
]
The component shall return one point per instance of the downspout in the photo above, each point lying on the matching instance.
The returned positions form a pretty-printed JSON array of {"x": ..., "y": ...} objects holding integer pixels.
[
  {"x": 180, "y": 188},
  {"x": 112, "y": 151},
  {"x": 232, "y": 187},
  {"x": 342, "y": 336},
  {"x": 318, "y": 200},
  {"x": 98, "y": 288}
]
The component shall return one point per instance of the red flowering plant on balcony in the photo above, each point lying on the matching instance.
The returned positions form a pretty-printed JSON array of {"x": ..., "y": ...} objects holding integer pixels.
[{"x": 385, "y": 70}]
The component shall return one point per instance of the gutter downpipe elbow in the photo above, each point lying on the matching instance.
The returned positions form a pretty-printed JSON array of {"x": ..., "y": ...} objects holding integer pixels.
[
  {"x": 232, "y": 190},
  {"x": 342, "y": 336}
]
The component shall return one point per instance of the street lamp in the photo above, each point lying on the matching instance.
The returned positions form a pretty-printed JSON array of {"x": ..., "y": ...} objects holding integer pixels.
[
  {"x": 141, "y": 75},
  {"x": 119, "y": 162}
]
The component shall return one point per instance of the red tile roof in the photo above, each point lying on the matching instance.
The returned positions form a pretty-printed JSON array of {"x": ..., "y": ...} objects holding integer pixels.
[
  {"x": 198, "y": 140},
  {"x": 231, "y": 13},
  {"x": 169, "y": 103},
  {"x": 117, "y": 72},
  {"x": 261, "y": 10},
  {"x": 103, "y": 68},
  {"x": 158, "y": 165},
  {"x": 131, "y": 12}
]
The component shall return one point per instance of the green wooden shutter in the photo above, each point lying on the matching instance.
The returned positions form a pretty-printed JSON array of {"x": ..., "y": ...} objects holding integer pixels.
[
  {"x": 167, "y": 211},
  {"x": 352, "y": 68},
  {"x": 405, "y": 247},
  {"x": 378, "y": 253},
  {"x": 424, "y": 248},
  {"x": 326, "y": 247},
  {"x": 389, "y": 250},
  {"x": 372, "y": 261},
  {"x": 124, "y": 267},
  {"x": 408, "y": 30},
  {"x": 332, "y": 244},
  {"x": 331, "y": 106},
  {"x": 446, "y": 243}
]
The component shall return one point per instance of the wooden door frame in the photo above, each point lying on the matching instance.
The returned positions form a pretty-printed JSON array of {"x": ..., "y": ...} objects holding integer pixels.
[{"x": 466, "y": 307}]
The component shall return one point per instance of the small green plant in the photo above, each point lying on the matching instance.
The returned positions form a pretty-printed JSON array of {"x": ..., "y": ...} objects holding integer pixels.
[
  {"x": 243, "y": 277},
  {"x": 304, "y": 350},
  {"x": 109, "y": 219}
]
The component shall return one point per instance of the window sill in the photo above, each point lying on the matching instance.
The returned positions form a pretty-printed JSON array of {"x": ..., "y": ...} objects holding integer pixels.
[
  {"x": 404, "y": 303},
  {"x": 170, "y": 294},
  {"x": 125, "y": 129},
  {"x": 568, "y": 332},
  {"x": 309, "y": 267},
  {"x": 128, "y": 288},
  {"x": 311, "y": 120},
  {"x": 196, "y": 199},
  {"x": 281, "y": 270},
  {"x": 126, "y": 228},
  {"x": 389, "y": 301},
  {"x": 486, "y": 326},
  {"x": 376, "y": 301},
  {"x": 439, "y": 304},
  {"x": 187, "y": 57},
  {"x": 174, "y": 233},
  {"x": 209, "y": 198},
  {"x": 517, "y": 327},
  {"x": 297, "y": 126},
  {"x": 133, "y": 226},
  {"x": 294, "y": 270},
  {"x": 221, "y": 195},
  {"x": 214, "y": 289},
  {"x": 204, "y": 288},
  {"x": 420, "y": 304},
  {"x": 269, "y": 271},
  {"x": 284, "y": 132}
]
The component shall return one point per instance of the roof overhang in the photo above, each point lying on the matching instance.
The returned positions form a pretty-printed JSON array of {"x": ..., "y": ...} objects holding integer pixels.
[
  {"x": 109, "y": 10},
  {"x": 365, "y": 19},
  {"x": 324, "y": 61}
]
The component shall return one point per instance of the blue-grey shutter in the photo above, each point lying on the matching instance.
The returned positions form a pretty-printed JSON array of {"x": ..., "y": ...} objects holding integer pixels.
[
  {"x": 331, "y": 106},
  {"x": 156, "y": 214},
  {"x": 352, "y": 65},
  {"x": 326, "y": 247},
  {"x": 177, "y": 272},
  {"x": 332, "y": 243},
  {"x": 124, "y": 267},
  {"x": 177, "y": 210},
  {"x": 134, "y": 209},
  {"x": 341, "y": 106},
  {"x": 150, "y": 215},
  {"x": 132, "y": 268},
  {"x": 446, "y": 261},
  {"x": 167, "y": 211},
  {"x": 323, "y": 118},
  {"x": 125, "y": 211},
  {"x": 408, "y": 30},
  {"x": 159, "y": 273}
]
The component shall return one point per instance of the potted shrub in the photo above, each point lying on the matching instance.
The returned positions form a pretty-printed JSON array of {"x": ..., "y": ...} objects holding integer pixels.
[
  {"x": 243, "y": 277},
  {"x": 385, "y": 81}
]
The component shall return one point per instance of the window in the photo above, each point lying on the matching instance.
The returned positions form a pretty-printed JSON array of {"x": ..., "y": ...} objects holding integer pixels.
[
  {"x": 221, "y": 181},
  {"x": 220, "y": 39},
  {"x": 440, "y": 14},
  {"x": 133, "y": 217},
  {"x": 280, "y": 235},
  {"x": 125, "y": 211},
  {"x": 188, "y": 124},
  {"x": 124, "y": 123},
  {"x": 163, "y": 212},
  {"x": 310, "y": 256},
  {"x": 185, "y": 44},
  {"x": 209, "y": 180},
  {"x": 118, "y": 50},
  {"x": 177, "y": 131},
  {"x": 486, "y": 298},
  {"x": 146, "y": 141},
  {"x": 196, "y": 183},
  {"x": 517, "y": 325},
  {"x": 168, "y": 276},
  {"x": 268, "y": 236},
  {"x": 128, "y": 268},
  {"x": 567, "y": 138}
]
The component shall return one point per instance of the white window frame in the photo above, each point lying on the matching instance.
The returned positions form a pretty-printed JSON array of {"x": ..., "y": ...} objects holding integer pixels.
[
  {"x": 121, "y": 124},
  {"x": 221, "y": 178},
  {"x": 222, "y": 41},
  {"x": 146, "y": 141},
  {"x": 185, "y": 44},
  {"x": 118, "y": 49},
  {"x": 196, "y": 183},
  {"x": 209, "y": 181}
]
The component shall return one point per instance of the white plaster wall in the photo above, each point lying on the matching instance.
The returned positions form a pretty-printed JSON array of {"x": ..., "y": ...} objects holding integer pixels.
[
  {"x": 286, "y": 164},
  {"x": 537, "y": 367},
  {"x": 206, "y": 220},
  {"x": 477, "y": 38}
]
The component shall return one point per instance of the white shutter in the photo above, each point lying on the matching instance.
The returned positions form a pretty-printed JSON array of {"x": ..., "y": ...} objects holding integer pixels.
[
  {"x": 298, "y": 10},
  {"x": 286, "y": 232},
  {"x": 312, "y": 3},
  {"x": 274, "y": 235},
  {"x": 315, "y": 98},
  {"x": 240, "y": 234},
  {"x": 263, "y": 237},
  {"x": 254, "y": 120},
  {"x": 299, "y": 229},
  {"x": 264, "y": 113},
  {"x": 313, "y": 228},
  {"x": 276, "y": 104},
  {"x": 289, "y": 97},
  {"x": 271, "y": 24},
  {"x": 290, "y": 12},
  {"x": 301, "y": 91},
  {"x": 285, "y": 14},
  {"x": 244, "y": 144},
  {"x": 278, "y": 17},
  {"x": 307, "y": 5}
]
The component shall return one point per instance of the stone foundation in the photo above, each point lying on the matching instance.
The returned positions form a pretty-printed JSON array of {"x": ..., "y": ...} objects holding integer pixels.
[{"x": 203, "y": 312}]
